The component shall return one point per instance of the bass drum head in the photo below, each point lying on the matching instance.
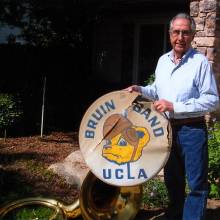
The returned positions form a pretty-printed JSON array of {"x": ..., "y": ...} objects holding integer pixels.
[{"x": 123, "y": 140}]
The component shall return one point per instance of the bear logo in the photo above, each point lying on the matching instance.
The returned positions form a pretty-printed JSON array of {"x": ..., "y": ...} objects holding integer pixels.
[{"x": 124, "y": 142}]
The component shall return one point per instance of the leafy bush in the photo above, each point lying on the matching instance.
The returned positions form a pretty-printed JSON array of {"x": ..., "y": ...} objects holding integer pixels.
[
  {"x": 154, "y": 194},
  {"x": 9, "y": 111},
  {"x": 35, "y": 212},
  {"x": 150, "y": 79},
  {"x": 214, "y": 160}
]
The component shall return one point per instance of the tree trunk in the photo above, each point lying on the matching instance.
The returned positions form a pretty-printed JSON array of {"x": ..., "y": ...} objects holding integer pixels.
[{"x": 5, "y": 134}]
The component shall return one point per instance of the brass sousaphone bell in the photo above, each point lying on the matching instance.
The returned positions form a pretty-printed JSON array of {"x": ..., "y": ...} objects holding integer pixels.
[
  {"x": 124, "y": 142},
  {"x": 102, "y": 201}
]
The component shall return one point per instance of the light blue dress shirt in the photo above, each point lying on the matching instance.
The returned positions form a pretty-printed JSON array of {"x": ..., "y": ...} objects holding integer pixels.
[{"x": 190, "y": 85}]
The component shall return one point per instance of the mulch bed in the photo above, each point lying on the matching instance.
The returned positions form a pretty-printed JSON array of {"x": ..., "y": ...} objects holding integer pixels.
[
  {"x": 24, "y": 162},
  {"x": 23, "y": 171}
]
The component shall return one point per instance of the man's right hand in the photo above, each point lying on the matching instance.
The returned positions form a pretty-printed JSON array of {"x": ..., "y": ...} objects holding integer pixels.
[{"x": 133, "y": 88}]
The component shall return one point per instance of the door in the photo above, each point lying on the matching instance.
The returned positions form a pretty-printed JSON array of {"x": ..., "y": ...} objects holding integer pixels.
[{"x": 151, "y": 41}]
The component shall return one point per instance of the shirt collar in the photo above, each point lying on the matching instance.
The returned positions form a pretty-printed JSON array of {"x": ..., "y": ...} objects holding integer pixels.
[{"x": 171, "y": 55}]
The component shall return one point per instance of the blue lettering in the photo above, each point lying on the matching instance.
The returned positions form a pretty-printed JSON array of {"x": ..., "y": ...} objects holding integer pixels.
[
  {"x": 99, "y": 116},
  {"x": 103, "y": 109},
  {"x": 158, "y": 132},
  {"x": 91, "y": 124},
  {"x": 146, "y": 113},
  {"x": 117, "y": 173},
  {"x": 107, "y": 175},
  {"x": 129, "y": 171},
  {"x": 154, "y": 121},
  {"x": 142, "y": 174},
  {"x": 137, "y": 108},
  {"x": 109, "y": 105},
  {"x": 89, "y": 134}
]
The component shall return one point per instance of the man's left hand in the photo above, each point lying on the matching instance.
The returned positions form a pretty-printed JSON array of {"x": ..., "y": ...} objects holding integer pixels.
[{"x": 163, "y": 105}]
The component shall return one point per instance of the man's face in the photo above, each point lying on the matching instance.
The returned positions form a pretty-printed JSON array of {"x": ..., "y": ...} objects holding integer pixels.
[{"x": 181, "y": 35}]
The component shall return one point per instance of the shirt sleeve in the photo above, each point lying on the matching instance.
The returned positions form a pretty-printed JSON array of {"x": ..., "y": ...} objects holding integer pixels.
[
  {"x": 208, "y": 99},
  {"x": 149, "y": 91}
]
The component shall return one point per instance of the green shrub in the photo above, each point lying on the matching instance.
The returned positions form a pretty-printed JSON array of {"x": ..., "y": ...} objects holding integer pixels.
[
  {"x": 9, "y": 111},
  {"x": 150, "y": 79},
  {"x": 154, "y": 194},
  {"x": 214, "y": 160},
  {"x": 32, "y": 212}
]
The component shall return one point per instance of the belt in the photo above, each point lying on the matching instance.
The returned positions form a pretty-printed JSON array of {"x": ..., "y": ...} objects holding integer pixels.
[{"x": 186, "y": 121}]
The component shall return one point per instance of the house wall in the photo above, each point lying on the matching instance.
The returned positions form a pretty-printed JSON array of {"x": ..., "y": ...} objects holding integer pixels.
[{"x": 207, "y": 39}]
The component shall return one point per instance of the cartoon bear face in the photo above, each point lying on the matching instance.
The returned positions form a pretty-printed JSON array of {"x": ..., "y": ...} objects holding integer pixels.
[{"x": 124, "y": 142}]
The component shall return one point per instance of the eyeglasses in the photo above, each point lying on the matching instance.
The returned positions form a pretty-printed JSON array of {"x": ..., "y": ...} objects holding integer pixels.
[{"x": 184, "y": 33}]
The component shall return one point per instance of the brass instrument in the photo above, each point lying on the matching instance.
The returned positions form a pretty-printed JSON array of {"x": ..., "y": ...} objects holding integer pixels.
[
  {"x": 101, "y": 201},
  {"x": 98, "y": 201},
  {"x": 60, "y": 210}
]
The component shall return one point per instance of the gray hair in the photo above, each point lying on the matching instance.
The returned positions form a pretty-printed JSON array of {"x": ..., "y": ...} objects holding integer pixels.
[{"x": 186, "y": 16}]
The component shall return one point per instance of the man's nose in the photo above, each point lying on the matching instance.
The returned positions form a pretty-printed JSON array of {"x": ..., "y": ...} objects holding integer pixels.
[{"x": 180, "y": 35}]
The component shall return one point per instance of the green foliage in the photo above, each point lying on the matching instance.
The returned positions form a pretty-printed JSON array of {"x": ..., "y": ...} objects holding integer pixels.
[
  {"x": 154, "y": 194},
  {"x": 9, "y": 111},
  {"x": 214, "y": 160},
  {"x": 49, "y": 23},
  {"x": 214, "y": 191},
  {"x": 39, "y": 168},
  {"x": 32, "y": 212},
  {"x": 150, "y": 79}
]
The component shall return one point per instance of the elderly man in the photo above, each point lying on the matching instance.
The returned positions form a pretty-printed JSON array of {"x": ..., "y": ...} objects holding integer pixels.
[{"x": 185, "y": 90}]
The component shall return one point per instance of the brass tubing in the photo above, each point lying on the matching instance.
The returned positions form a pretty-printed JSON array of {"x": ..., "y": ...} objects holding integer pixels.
[{"x": 66, "y": 211}]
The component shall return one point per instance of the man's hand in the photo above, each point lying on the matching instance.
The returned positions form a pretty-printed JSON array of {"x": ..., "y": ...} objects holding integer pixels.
[
  {"x": 133, "y": 88},
  {"x": 163, "y": 105}
]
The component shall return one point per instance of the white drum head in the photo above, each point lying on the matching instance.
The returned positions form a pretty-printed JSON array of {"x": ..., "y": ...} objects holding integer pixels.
[{"x": 123, "y": 140}]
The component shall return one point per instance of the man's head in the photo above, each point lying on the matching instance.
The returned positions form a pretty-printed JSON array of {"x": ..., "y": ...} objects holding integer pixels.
[{"x": 182, "y": 31}]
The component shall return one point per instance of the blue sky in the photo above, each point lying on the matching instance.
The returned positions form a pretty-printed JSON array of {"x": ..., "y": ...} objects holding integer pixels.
[{"x": 6, "y": 30}]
